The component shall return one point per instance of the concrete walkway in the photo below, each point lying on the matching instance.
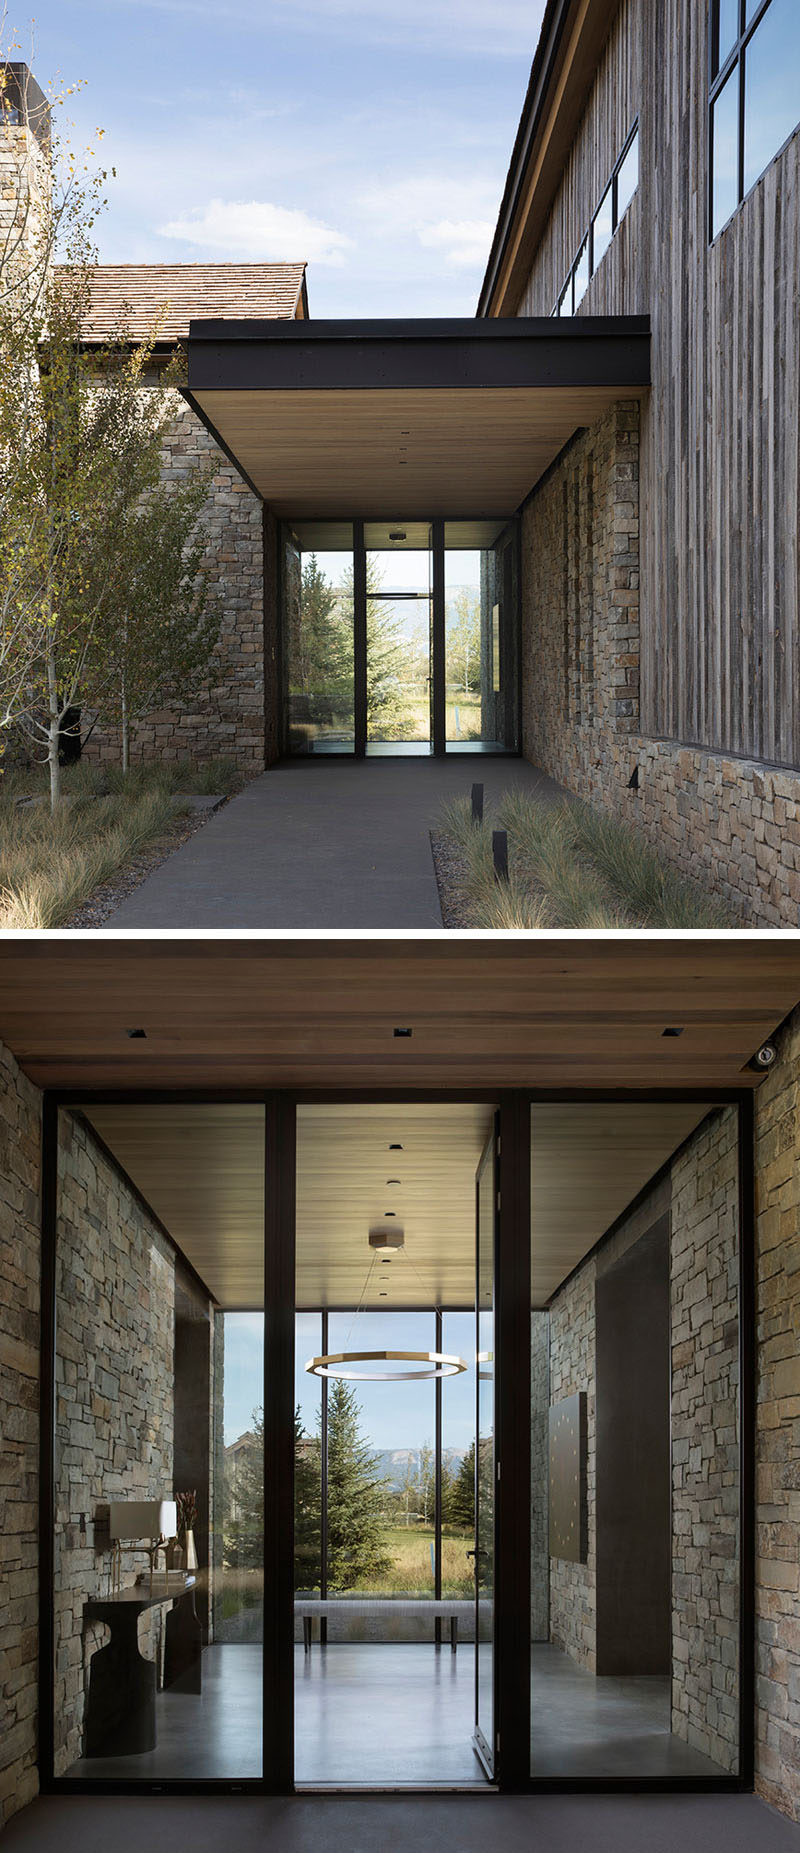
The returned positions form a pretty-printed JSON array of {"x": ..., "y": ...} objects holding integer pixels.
[{"x": 331, "y": 843}]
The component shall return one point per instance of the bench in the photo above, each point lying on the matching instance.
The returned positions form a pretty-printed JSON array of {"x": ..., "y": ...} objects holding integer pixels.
[{"x": 373, "y": 1608}]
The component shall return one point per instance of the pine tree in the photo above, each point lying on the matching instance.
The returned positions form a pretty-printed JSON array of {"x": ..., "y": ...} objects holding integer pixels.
[
  {"x": 307, "y": 1507},
  {"x": 459, "y": 1508},
  {"x": 356, "y": 1497}
]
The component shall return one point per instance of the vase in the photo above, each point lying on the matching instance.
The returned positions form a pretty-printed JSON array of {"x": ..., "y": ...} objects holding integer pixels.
[{"x": 191, "y": 1554}]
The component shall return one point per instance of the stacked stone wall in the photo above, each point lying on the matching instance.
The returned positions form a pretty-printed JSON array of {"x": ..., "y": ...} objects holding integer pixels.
[
  {"x": 573, "y": 1595},
  {"x": 115, "y": 1293},
  {"x": 777, "y": 1716},
  {"x": 731, "y": 825},
  {"x": 20, "y": 1216},
  {"x": 704, "y": 1272},
  {"x": 226, "y": 718}
]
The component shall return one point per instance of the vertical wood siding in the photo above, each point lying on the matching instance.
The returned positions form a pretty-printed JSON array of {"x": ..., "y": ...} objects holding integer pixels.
[{"x": 720, "y": 489}]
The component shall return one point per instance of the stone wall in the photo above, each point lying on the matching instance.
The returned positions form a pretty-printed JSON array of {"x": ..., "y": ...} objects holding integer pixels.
[
  {"x": 777, "y": 1720},
  {"x": 729, "y": 824},
  {"x": 20, "y": 1215},
  {"x": 705, "y": 1440},
  {"x": 115, "y": 1278},
  {"x": 227, "y": 716},
  {"x": 572, "y": 1368}
]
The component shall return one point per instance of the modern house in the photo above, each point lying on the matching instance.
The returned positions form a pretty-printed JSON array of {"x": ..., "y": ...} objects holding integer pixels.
[
  {"x": 568, "y": 527},
  {"x": 237, "y": 1181}
]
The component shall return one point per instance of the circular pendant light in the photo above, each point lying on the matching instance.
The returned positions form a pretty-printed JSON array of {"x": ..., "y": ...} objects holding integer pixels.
[{"x": 427, "y": 1364}]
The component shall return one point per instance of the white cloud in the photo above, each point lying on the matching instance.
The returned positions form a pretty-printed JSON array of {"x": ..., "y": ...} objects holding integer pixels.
[
  {"x": 464, "y": 243},
  {"x": 257, "y": 230}
]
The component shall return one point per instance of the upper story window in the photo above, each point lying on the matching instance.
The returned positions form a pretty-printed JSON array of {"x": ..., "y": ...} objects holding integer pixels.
[
  {"x": 754, "y": 99},
  {"x": 611, "y": 210}
]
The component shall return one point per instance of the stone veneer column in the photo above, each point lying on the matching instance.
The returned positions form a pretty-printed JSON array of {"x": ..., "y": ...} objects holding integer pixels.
[
  {"x": 572, "y": 1368},
  {"x": 777, "y": 1719},
  {"x": 540, "y": 1445},
  {"x": 115, "y": 1280},
  {"x": 20, "y": 1219},
  {"x": 705, "y": 1440}
]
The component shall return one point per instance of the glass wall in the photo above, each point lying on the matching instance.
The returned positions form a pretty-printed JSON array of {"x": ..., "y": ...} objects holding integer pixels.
[
  {"x": 634, "y": 1441},
  {"x": 317, "y": 589},
  {"x": 398, "y": 639},
  {"x": 159, "y": 1495},
  {"x": 481, "y": 641}
]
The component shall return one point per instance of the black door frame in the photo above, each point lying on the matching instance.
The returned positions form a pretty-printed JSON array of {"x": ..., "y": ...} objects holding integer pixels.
[
  {"x": 512, "y": 1415},
  {"x": 510, "y": 644}
]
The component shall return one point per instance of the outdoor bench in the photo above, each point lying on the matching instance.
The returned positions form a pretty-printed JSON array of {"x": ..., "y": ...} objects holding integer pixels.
[{"x": 373, "y": 1607}]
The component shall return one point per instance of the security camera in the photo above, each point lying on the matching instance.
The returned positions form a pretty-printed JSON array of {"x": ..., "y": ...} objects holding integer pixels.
[{"x": 764, "y": 1057}]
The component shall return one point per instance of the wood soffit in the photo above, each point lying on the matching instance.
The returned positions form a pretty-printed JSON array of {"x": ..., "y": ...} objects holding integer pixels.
[{"x": 556, "y": 1014}]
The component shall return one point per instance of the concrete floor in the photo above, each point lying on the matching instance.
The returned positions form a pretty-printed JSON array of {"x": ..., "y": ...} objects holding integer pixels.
[
  {"x": 336, "y": 844},
  {"x": 480, "y": 1822},
  {"x": 398, "y": 1716}
]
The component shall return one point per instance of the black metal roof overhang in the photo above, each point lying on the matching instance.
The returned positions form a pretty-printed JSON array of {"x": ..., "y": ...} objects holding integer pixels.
[{"x": 414, "y": 416}]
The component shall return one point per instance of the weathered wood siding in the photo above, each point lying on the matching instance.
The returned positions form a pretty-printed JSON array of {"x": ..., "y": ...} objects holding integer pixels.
[{"x": 720, "y": 458}]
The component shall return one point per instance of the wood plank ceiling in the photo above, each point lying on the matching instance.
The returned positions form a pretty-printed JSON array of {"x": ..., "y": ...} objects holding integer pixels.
[
  {"x": 363, "y": 1167},
  {"x": 400, "y": 452},
  {"x": 549, "y": 1013}
]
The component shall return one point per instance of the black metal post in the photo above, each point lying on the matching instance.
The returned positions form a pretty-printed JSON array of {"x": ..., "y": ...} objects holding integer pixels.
[
  {"x": 359, "y": 641},
  {"x": 500, "y": 854},
  {"x": 437, "y": 1486},
  {"x": 323, "y": 1525},
  {"x": 512, "y": 1583},
  {"x": 477, "y": 804},
  {"x": 279, "y": 1294}
]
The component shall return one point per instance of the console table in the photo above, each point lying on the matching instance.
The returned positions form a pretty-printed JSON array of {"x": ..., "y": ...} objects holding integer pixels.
[{"x": 121, "y": 1705}]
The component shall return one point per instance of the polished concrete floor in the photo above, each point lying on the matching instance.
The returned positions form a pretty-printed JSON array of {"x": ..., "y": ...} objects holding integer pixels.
[
  {"x": 399, "y": 1716},
  {"x": 481, "y": 1822}
]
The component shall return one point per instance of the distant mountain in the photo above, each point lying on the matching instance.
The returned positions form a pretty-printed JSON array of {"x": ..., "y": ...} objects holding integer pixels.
[{"x": 393, "y": 1463}]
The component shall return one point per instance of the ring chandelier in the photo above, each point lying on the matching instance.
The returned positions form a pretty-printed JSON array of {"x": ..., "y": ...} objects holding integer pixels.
[{"x": 426, "y": 1364}]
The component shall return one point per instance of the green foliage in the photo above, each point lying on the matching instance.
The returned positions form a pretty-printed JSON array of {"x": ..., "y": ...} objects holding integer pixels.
[
  {"x": 243, "y": 1501},
  {"x": 356, "y": 1497},
  {"x": 307, "y": 1508},
  {"x": 464, "y": 641},
  {"x": 458, "y": 1498}
]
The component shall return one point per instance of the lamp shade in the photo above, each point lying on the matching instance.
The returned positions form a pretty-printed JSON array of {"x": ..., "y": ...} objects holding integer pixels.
[{"x": 143, "y": 1518}]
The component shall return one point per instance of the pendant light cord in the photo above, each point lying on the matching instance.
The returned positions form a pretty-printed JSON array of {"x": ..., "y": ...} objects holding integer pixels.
[{"x": 364, "y": 1291}]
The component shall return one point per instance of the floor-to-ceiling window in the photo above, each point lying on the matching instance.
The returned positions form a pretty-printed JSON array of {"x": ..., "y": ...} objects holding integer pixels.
[
  {"x": 158, "y": 1462},
  {"x": 635, "y": 1432},
  {"x": 399, "y": 638}
]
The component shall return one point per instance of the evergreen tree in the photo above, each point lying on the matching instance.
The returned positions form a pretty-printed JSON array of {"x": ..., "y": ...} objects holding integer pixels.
[
  {"x": 307, "y": 1507},
  {"x": 355, "y": 1497},
  {"x": 459, "y": 1509},
  {"x": 243, "y": 1525},
  {"x": 321, "y": 651}
]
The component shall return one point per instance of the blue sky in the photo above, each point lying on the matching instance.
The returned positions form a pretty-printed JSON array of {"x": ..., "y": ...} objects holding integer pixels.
[
  {"x": 370, "y": 138},
  {"x": 399, "y": 1415}
]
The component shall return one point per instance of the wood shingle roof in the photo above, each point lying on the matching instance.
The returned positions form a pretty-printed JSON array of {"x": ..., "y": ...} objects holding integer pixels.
[{"x": 136, "y": 296}]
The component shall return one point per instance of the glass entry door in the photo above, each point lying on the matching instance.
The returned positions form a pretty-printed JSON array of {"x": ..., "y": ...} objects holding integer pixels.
[
  {"x": 486, "y": 1212},
  {"x": 399, "y": 619}
]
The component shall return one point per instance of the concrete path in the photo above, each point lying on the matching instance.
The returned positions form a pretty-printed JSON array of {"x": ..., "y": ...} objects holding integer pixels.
[{"x": 330, "y": 843}]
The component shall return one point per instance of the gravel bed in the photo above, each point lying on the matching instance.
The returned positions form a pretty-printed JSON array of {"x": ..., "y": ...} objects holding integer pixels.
[
  {"x": 106, "y": 899},
  {"x": 450, "y": 867}
]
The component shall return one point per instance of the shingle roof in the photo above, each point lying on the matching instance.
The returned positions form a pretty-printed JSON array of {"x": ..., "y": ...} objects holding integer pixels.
[{"x": 138, "y": 295}]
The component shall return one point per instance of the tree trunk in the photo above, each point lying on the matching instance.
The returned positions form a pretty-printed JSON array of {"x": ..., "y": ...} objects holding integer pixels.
[{"x": 53, "y": 732}]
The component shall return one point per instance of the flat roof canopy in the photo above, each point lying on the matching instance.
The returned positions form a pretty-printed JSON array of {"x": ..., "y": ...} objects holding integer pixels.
[{"x": 410, "y": 419}]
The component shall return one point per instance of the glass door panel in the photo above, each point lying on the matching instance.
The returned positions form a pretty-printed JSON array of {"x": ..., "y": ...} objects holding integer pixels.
[
  {"x": 484, "y": 1456},
  {"x": 399, "y": 616},
  {"x": 318, "y": 638},
  {"x": 480, "y": 639}
]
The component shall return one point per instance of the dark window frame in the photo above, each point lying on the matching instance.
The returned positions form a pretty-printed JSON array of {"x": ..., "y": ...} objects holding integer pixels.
[
  {"x": 734, "y": 67},
  {"x": 587, "y": 238},
  {"x": 513, "y": 1288}
]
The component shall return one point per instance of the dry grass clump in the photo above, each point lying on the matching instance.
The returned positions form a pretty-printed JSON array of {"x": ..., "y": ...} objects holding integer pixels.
[
  {"x": 570, "y": 866},
  {"x": 49, "y": 864}
]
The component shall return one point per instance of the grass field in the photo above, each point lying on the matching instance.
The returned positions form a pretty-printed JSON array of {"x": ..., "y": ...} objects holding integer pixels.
[{"x": 411, "y": 1571}]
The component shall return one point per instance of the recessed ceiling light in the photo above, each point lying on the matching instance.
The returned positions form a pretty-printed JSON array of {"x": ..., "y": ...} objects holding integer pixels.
[
  {"x": 392, "y": 1180},
  {"x": 385, "y": 1259},
  {"x": 673, "y": 1031},
  {"x": 402, "y": 1032},
  {"x": 395, "y": 1148},
  {"x": 390, "y": 1212},
  {"x": 136, "y": 1035},
  {"x": 398, "y": 533}
]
